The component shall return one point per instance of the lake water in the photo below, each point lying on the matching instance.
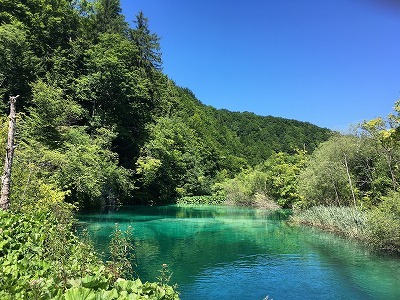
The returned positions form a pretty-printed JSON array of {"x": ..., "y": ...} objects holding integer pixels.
[{"x": 241, "y": 253}]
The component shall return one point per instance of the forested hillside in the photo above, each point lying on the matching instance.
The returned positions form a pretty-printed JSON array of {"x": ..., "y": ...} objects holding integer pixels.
[
  {"x": 99, "y": 123},
  {"x": 262, "y": 136}
]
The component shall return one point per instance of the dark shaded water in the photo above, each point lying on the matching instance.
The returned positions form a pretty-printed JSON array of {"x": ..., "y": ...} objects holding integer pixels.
[{"x": 241, "y": 253}]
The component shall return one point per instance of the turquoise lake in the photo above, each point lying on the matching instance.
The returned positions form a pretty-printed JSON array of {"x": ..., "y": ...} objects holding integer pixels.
[{"x": 219, "y": 252}]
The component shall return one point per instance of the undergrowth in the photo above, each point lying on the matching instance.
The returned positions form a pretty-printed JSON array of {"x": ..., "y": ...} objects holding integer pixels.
[{"x": 40, "y": 258}]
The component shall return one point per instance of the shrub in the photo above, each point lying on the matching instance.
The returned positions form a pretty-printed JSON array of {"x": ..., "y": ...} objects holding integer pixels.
[
  {"x": 384, "y": 223},
  {"x": 38, "y": 255}
]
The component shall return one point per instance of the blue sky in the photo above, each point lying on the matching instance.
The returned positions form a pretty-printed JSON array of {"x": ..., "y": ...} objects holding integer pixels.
[{"x": 333, "y": 63}]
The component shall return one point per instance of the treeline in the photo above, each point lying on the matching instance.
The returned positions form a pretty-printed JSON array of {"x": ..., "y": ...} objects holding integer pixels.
[{"x": 100, "y": 124}]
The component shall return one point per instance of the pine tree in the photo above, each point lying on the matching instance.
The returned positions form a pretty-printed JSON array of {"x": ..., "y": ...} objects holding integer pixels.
[{"x": 148, "y": 43}]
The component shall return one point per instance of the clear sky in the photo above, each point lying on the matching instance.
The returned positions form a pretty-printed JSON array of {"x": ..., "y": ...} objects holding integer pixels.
[{"x": 329, "y": 62}]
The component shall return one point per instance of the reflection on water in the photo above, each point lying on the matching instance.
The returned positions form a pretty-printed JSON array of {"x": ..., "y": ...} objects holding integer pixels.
[{"x": 241, "y": 253}]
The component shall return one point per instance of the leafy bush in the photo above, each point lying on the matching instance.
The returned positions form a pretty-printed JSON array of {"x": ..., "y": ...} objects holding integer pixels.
[
  {"x": 38, "y": 255},
  {"x": 269, "y": 185},
  {"x": 91, "y": 287},
  {"x": 384, "y": 223}
]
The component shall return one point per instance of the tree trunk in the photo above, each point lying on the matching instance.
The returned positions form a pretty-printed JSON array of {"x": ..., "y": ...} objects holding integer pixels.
[
  {"x": 348, "y": 176},
  {"x": 6, "y": 178}
]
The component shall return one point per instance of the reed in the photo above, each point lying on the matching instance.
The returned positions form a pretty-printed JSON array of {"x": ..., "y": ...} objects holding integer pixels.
[{"x": 346, "y": 221}]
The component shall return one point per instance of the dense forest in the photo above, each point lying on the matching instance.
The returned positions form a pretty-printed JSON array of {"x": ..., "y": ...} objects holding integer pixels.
[{"x": 100, "y": 125}]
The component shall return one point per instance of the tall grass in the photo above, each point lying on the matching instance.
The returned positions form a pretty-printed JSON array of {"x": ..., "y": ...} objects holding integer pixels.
[
  {"x": 346, "y": 221},
  {"x": 378, "y": 227}
]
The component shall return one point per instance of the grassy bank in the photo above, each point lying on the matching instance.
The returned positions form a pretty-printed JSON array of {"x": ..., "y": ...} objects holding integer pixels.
[
  {"x": 346, "y": 221},
  {"x": 376, "y": 227}
]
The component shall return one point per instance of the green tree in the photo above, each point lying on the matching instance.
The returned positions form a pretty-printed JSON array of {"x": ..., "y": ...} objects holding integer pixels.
[
  {"x": 384, "y": 223},
  {"x": 108, "y": 17},
  {"x": 115, "y": 92},
  {"x": 385, "y": 136},
  {"x": 282, "y": 171},
  {"x": 50, "y": 23},
  {"x": 274, "y": 181},
  {"x": 148, "y": 43},
  {"x": 325, "y": 179},
  {"x": 16, "y": 63},
  {"x": 170, "y": 164}
]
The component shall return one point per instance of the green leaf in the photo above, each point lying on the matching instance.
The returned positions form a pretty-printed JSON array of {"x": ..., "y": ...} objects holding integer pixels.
[
  {"x": 80, "y": 293},
  {"x": 94, "y": 282},
  {"x": 107, "y": 295},
  {"x": 128, "y": 285}
]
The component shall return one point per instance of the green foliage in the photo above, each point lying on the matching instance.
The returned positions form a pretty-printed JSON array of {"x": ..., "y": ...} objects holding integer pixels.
[
  {"x": 383, "y": 136},
  {"x": 122, "y": 253},
  {"x": 370, "y": 157},
  {"x": 269, "y": 184},
  {"x": 107, "y": 17},
  {"x": 262, "y": 136},
  {"x": 38, "y": 254},
  {"x": 40, "y": 258},
  {"x": 121, "y": 290},
  {"x": 368, "y": 162},
  {"x": 325, "y": 181},
  {"x": 242, "y": 189},
  {"x": 378, "y": 227},
  {"x": 81, "y": 168},
  {"x": 164, "y": 290},
  {"x": 147, "y": 43},
  {"x": 16, "y": 62},
  {"x": 172, "y": 163},
  {"x": 282, "y": 172},
  {"x": 199, "y": 200},
  {"x": 384, "y": 223},
  {"x": 52, "y": 108}
]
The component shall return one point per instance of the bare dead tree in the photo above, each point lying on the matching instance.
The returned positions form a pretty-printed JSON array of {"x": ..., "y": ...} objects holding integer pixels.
[{"x": 6, "y": 178}]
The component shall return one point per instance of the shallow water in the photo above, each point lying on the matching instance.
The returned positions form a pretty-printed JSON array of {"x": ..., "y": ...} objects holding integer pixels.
[{"x": 241, "y": 253}]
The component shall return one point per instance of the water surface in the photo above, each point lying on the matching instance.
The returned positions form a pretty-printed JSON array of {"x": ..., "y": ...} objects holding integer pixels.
[{"x": 241, "y": 253}]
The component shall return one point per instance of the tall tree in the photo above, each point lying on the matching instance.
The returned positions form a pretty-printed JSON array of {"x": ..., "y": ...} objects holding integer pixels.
[
  {"x": 325, "y": 180},
  {"x": 108, "y": 17},
  {"x": 385, "y": 134},
  {"x": 16, "y": 62},
  {"x": 148, "y": 43}
]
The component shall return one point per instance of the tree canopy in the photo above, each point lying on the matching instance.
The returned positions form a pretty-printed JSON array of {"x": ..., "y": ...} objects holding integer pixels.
[{"x": 99, "y": 123}]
